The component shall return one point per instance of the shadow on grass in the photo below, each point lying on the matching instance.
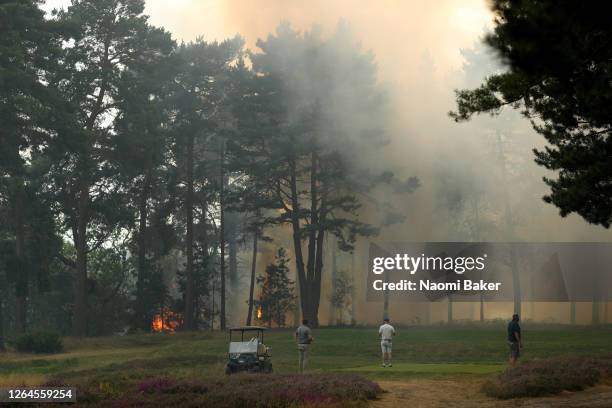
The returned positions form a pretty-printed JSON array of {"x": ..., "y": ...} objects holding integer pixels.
[
  {"x": 39, "y": 366},
  {"x": 138, "y": 368},
  {"x": 433, "y": 370}
]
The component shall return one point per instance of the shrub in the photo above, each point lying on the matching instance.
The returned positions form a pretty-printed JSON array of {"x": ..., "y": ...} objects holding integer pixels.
[
  {"x": 155, "y": 385},
  {"x": 54, "y": 382},
  {"x": 248, "y": 390},
  {"x": 549, "y": 376},
  {"x": 289, "y": 390},
  {"x": 39, "y": 342}
]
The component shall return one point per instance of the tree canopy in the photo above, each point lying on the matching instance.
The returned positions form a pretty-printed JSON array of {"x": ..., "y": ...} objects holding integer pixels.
[
  {"x": 133, "y": 169},
  {"x": 558, "y": 64}
]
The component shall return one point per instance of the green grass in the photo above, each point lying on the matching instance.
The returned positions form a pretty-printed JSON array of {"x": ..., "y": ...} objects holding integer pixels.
[
  {"x": 405, "y": 370},
  {"x": 417, "y": 351}
]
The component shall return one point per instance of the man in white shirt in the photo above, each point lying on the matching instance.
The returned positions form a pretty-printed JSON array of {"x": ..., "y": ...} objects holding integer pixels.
[{"x": 386, "y": 333}]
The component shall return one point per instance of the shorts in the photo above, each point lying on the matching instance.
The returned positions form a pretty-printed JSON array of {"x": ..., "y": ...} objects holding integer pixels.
[
  {"x": 515, "y": 350},
  {"x": 385, "y": 346}
]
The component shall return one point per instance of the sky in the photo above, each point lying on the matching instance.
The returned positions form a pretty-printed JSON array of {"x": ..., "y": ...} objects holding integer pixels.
[{"x": 397, "y": 31}]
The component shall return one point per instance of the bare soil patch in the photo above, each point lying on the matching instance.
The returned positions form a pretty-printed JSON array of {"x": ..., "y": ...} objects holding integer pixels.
[{"x": 466, "y": 392}]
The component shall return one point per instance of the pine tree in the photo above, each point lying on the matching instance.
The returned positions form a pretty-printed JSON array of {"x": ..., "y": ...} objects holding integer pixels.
[
  {"x": 277, "y": 297},
  {"x": 314, "y": 105},
  {"x": 141, "y": 161},
  {"x": 108, "y": 38},
  {"x": 29, "y": 110},
  {"x": 199, "y": 126},
  {"x": 561, "y": 80}
]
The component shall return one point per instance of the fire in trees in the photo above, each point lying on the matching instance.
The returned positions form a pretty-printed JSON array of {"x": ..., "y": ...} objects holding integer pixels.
[{"x": 277, "y": 291}]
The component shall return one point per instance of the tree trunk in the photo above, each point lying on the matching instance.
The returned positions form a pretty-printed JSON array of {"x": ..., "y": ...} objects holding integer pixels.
[
  {"x": 482, "y": 317},
  {"x": 312, "y": 244},
  {"x": 3, "y": 291},
  {"x": 222, "y": 254},
  {"x": 595, "y": 318},
  {"x": 222, "y": 238},
  {"x": 142, "y": 319},
  {"x": 516, "y": 284},
  {"x": 21, "y": 288},
  {"x": 79, "y": 318},
  {"x": 189, "y": 284},
  {"x": 477, "y": 238},
  {"x": 316, "y": 300},
  {"x": 232, "y": 248},
  {"x": 605, "y": 294},
  {"x": 212, "y": 308},
  {"x": 333, "y": 318},
  {"x": 207, "y": 255},
  {"x": 386, "y": 297},
  {"x": 482, "y": 311},
  {"x": 595, "y": 304},
  {"x": 252, "y": 285},
  {"x": 231, "y": 233},
  {"x": 353, "y": 289},
  {"x": 297, "y": 243},
  {"x": 80, "y": 298},
  {"x": 316, "y": 283},
  {"x": 2, "y": 348}
]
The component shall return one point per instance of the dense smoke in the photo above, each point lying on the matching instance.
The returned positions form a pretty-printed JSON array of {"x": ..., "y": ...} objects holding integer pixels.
[{"x": 478, "y": 180}]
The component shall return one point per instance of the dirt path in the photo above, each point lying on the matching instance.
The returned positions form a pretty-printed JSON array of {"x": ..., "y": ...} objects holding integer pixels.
[{"x": 445, "y": 393}]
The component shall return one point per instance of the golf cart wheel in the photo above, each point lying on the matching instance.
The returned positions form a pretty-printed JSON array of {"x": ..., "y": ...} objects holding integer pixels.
[
  {"x": 228, "y": 370},
  {"x": 268, "y": 368}
]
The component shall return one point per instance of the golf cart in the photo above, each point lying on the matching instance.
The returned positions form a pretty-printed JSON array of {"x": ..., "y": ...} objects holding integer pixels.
[{"x": 247, "y": 352}]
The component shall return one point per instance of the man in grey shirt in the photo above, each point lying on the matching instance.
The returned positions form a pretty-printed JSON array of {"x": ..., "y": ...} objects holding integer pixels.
[{"x": 303, "y": 338}]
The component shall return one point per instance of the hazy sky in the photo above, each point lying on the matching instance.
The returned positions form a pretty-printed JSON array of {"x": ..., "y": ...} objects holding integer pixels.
[{"x": 399, "y": 32}]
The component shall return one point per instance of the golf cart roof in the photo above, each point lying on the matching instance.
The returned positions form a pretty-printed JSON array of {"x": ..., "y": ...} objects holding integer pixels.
[{"x": 248, "y": 328}]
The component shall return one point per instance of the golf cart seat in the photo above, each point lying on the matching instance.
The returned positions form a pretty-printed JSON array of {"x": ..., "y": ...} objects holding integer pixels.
[{"x": 261, "y": 348}]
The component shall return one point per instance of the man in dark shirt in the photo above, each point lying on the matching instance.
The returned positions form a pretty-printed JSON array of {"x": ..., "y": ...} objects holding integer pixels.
[{"x": 514, "y": 339}]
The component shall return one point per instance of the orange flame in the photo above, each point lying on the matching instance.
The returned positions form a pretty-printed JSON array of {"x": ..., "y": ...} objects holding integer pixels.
[
  {"x": 259, "y": 312},
  {"x": 166, "y": 321}
]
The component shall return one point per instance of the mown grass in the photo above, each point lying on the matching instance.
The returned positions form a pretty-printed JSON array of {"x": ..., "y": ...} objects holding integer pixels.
[
  {"x": 429, "y": 370},
  {"x": 117, "y": 363},
  {"x": 204, "y": 354}
]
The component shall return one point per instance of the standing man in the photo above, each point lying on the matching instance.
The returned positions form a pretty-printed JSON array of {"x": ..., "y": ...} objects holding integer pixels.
[
  {"x": 386, "y": 333},
  {"x": 303, "y": 338},
  {"x": 514, "y": 339}
]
